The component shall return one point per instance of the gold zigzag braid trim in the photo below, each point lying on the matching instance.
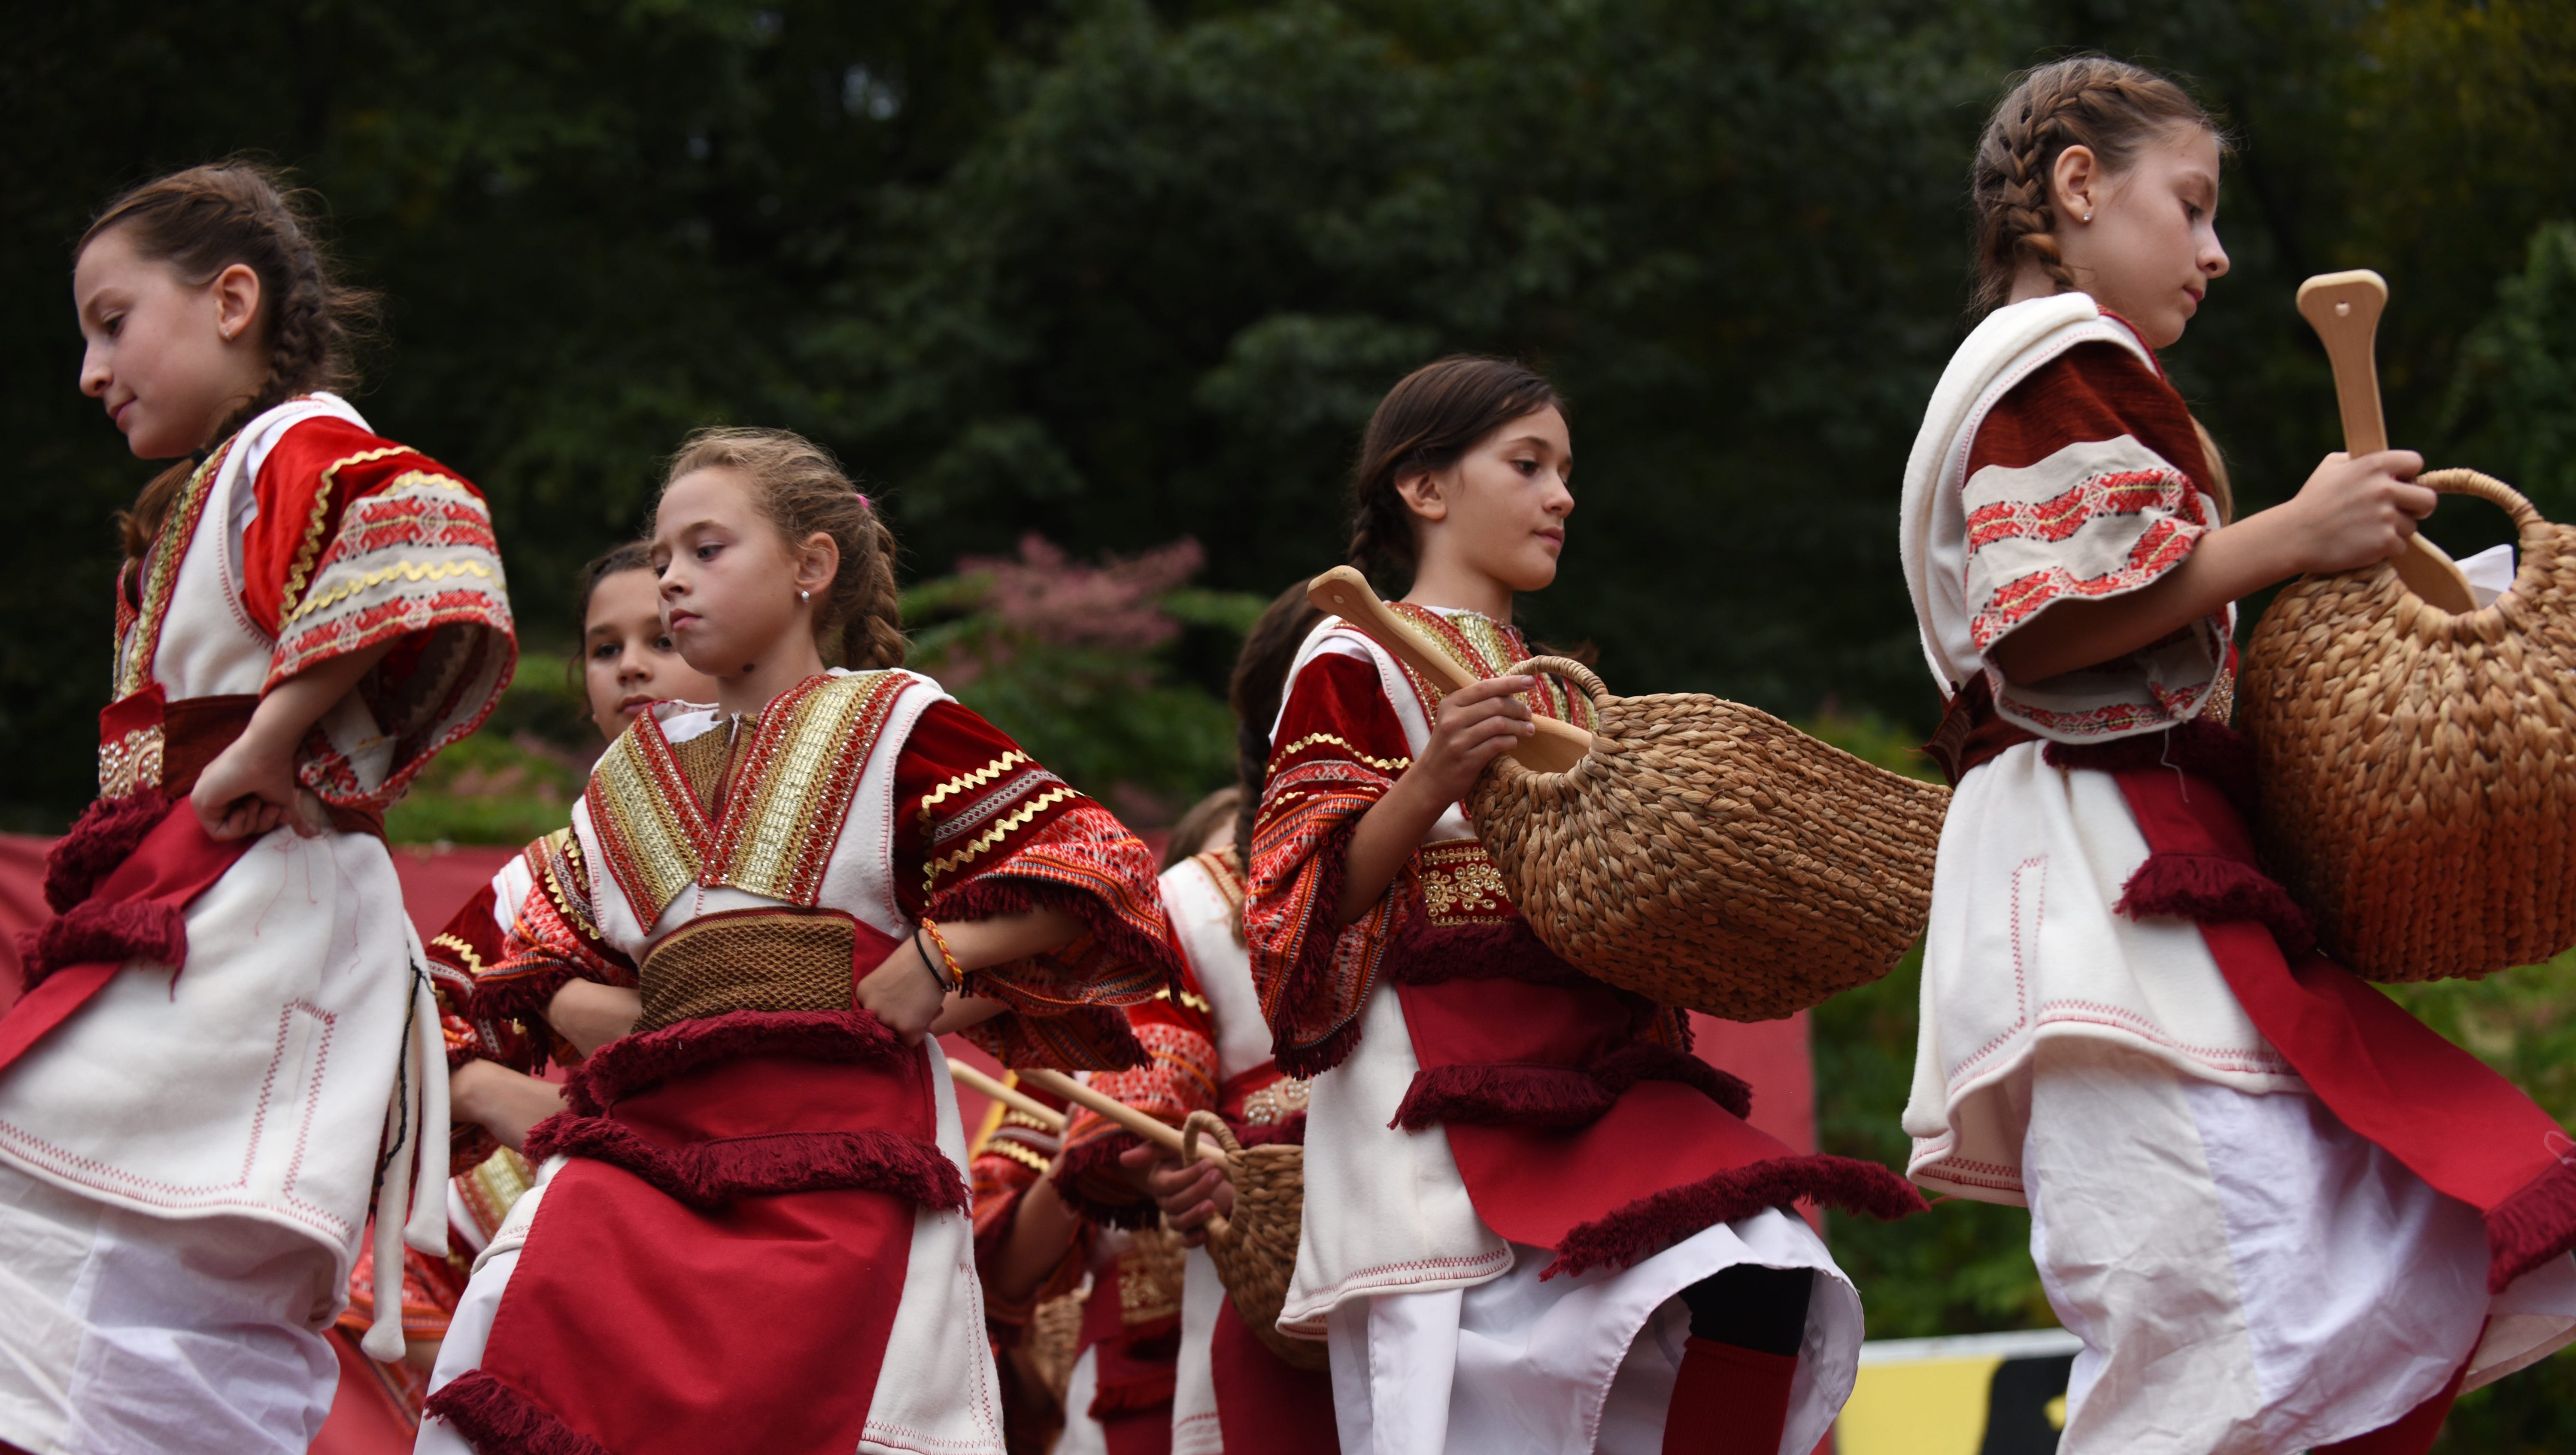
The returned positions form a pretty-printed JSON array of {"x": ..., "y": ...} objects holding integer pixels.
[
  {"x": 309, "y": 549},
  {"x": 1018, "y": 818},
  {"x": 997, "y": 1147},
  {"x": 407, "y": 571},
  {"x": 976, "y": 779},
  {"x": 464, "y": 951},
  {"x": 1388, "y": 765}
]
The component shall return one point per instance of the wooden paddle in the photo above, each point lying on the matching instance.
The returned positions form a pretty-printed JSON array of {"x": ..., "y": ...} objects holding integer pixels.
[
  {"x": 1008, "y": 1095},
  {"x": 2344, "y": 309},
  {"x": 1557, "y": 746},
  {"x": 1166, "y": 1137}
]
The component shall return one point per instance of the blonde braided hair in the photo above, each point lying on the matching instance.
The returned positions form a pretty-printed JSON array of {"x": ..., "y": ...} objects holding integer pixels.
[
  {"x": 2109, "y": 106},
  {"x": 802, "y": 490}
]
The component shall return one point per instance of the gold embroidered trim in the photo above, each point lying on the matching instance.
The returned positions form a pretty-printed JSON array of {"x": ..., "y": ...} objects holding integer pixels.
[
  {"x": 1276, "y": 1102},
  {"x": 1018, "y": 818},
  {"x": 1196, "y": 1003},
  {"x": 651, "y": 841},
  {"x": 405, "y": 570},
  {"x": 143, "y": 642},
  {"x": 464, "y": 951},
  {"x": 975, "y": 779},
  {"x": 309, "y": 549},
  {"x": 1460, "y": 885},
  {"x": 131, "y": 763},
  {"x": 1013, "y": 1151},
  {"x": 796, "y": 785},
  {"x": 1385, "y": 765}
]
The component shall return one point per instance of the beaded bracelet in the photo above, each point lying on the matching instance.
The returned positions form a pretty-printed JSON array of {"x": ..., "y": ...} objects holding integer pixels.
[{"x": 936, "y": 938}]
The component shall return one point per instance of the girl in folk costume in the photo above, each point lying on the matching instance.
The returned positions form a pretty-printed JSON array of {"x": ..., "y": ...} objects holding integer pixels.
[
  {"x": 1533, "y": 1221},
  {"x": 750, "y": 1229},
  {"x": 1212, "y": 1053},
  {"x": 628, "y": 662},
  {"x": 1050, "y": 1206},
  {"x": 2280, "y": 1213},
  {"x": 225, "y": 1048}
]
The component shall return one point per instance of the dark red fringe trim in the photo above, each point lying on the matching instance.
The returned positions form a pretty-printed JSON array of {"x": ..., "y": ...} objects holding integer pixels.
[
  {"x": 1134, "y": 1396},
  {"x": 1646, "y": 1061},
  {"x": 520, "y": 995},
  {"x": 999, "y": 893},
  {"x": 1427, "y": 954},
  {"x": 1656, "y": 1222},
  {"x": 2200, "y": 748},
  {"x": 1503, "y": 1095},
  {"x": 2537, "y": 1223},
  {"x": 2214, "y": 889},
  {"x": 629, "y": 1065},
  {"x": 1087, "y": 1166},
  {"x": 104, "y": 836},
  {"x": 1535, "y": 1094},
  {"x": 709, "y": 1175},
  {"x": 498, "y": 1418},
  {"x": 115, "y": 931},
  {"x": 1289, "y": 1131}
]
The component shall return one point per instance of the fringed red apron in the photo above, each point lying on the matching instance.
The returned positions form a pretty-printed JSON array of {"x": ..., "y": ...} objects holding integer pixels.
[
  {"x": 1579, "y": 1119},
  {"x": 719, "y": 1264}
]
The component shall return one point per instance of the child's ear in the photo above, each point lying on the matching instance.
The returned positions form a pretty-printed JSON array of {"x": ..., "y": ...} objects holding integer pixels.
[
  {"x": 236, "y": 299},
  {"x": 2075, "y": 178},
  {"x": 1421, "y": 493},
  {"x": 818, "y": 560}
]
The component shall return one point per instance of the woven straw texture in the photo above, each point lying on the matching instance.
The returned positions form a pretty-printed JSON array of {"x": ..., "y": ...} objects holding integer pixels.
[
  {"x": 766, "y": 960},
  {"x": 1256, "y": 1250},
  {"x": 1711, "y": 856},
  {"x": 2417, "y": 767}
]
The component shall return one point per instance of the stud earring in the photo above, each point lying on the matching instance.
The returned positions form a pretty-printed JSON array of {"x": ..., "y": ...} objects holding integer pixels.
[
  {"x": 2088, "y": 217},
  {"x": 803, "y": 595}
]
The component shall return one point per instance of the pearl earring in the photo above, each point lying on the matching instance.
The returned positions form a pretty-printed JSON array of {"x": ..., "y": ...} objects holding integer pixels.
[
  {"x": 803, "y": 595},
  {"x": 2088, "y": 217}
]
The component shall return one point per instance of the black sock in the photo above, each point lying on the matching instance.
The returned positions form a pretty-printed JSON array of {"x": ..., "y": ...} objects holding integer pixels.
[{"x": 1752, "y": 1307}]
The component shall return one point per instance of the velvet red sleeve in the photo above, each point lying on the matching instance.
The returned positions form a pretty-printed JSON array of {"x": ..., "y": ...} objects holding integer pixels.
[
  {"x": 982, "y": 830},
  {"x": 1338, "y": 749},
  {"x": 360, "y": 542}
]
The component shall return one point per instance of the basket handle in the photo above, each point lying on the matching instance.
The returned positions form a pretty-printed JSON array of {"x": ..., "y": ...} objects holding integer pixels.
[
  {"x": 2487, "y": 488},
  {"x": 1218, "y": 1224},
  {"x": 1567, "y": 668}
]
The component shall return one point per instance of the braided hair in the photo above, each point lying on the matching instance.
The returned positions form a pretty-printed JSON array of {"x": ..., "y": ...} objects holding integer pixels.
[
  {"x": 2109, "y": 106},
  {"x": 205, "y": 219},
  {"x": 801, "y": 488},
  {"x": 1428, "y": 421}
]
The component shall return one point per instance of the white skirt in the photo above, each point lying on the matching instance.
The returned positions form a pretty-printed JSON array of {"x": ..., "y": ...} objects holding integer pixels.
[
  {"x": 2249, "y": 1275},
  {"x": 125, "y": 1334},
  {"x": 1520, "y": 1366}
]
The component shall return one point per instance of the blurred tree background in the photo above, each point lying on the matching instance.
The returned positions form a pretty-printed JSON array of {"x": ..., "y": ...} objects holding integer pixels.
[{"x": 1095, "y": 295}]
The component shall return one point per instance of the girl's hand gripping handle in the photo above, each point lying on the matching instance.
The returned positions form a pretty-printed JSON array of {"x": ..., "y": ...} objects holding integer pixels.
[{"x": 2344, "y": 309}]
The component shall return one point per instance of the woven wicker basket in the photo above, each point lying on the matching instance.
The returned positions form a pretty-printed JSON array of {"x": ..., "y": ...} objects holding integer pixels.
[
  {"x": 1710, "y": 855},
  {"x": 1256, "y": 1249},
  {"x": 2418, "y": 767}
]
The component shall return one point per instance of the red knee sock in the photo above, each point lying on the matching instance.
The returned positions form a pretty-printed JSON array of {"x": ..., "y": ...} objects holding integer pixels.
[
  {"x": 1728, "y": 1400},
  {"x": 2411, "y": 1434}
]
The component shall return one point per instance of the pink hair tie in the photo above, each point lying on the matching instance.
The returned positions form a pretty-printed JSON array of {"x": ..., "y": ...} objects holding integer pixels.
[{"x": 863, "y": 502}]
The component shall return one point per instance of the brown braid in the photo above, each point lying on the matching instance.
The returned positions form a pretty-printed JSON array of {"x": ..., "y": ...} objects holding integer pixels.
[
  {"x": 205, "y": 219},
  {"x": 2110, "y": 106},
  {"x": 859, "y": 622}
]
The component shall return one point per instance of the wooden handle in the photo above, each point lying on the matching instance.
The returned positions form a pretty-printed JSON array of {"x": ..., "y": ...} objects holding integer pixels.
[
  {"x": 1166, "y": 1137},
  {"x": 1007, "y": 1095},
  {"x": 1344, "y": 592},
  {"x": 2344, "y": 309}
]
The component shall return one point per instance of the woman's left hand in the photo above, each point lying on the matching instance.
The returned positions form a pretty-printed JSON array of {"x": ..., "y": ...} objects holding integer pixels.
[
  {"x": 904, "y": 992},
  {"x": 1188, "y": 1196}
]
